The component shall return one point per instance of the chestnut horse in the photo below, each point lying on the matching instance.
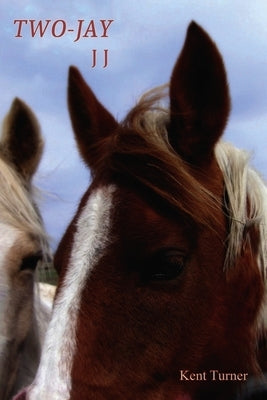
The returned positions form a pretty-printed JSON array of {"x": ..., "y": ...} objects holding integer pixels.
[
  {"x": 23, "y": 246},
  {"x": 163, "y": 268}
]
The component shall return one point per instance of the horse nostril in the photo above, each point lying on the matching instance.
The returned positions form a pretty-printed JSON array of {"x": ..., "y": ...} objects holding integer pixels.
[{"x": 21, "y": 395}]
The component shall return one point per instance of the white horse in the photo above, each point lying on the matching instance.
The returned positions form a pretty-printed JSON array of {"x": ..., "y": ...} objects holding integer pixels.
[{"x": 24, "y": 315}]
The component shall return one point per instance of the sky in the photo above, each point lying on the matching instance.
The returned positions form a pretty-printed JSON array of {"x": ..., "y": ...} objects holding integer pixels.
[{"x": 143, "y": 42}]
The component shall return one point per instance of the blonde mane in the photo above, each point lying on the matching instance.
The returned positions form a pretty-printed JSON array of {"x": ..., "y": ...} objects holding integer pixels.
[
  {"x": 247, "y": 201},
  {"x": 245, "y": 190},
  {"x": 17, "y": 207}
]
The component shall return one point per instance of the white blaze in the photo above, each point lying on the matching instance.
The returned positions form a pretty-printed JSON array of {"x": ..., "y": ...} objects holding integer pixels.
[{"x": 53, "y": 379}]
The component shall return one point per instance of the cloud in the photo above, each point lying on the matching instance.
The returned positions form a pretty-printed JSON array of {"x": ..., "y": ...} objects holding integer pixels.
[{"x": 144, "y": 41}]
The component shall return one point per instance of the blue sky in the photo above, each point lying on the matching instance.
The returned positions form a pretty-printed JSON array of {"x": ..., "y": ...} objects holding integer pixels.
[{"x": 143, "y": 42}]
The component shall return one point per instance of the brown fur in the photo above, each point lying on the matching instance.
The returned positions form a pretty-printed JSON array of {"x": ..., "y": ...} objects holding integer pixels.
[
  {"x": 21, "y": 142},
  {"x": 200, "y": 101},
  {"x": 134, "y": 335}
]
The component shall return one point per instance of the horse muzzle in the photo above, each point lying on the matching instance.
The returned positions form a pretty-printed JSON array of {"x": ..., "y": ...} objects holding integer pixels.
[{"x": 21, "y": 395}]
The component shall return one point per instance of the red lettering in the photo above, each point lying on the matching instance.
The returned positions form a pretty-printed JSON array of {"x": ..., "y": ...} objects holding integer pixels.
[
  {"x": 39, "y": 27},
  {"x": 21, "y": 22},
  {"x": 90, "y": 29},
  {"x": 63, "y": 28},
  {"x": 105, "y": 58},
  {"x": 106, "y": 26},
  {"x": 94, "y": 58}
]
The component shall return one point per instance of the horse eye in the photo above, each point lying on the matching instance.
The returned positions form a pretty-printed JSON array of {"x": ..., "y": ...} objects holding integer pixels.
[
  {"x": 166, "y": 265},
  {"x": 30, "y": 262}
]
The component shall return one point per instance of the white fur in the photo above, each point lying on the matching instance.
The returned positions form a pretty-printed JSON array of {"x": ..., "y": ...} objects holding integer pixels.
[
  {"x": 53, "y": 380},
  {"x": 8, "y": 237},
  {"x": 30, "y": 355},
  {"x": 22, "y": 362}
]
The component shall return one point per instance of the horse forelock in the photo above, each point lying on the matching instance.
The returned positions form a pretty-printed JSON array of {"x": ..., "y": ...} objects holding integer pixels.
[
  {"x": 140, "y": 151},
  {"x": 165, "y": 173},
  {"x": 18, "y": 209}
]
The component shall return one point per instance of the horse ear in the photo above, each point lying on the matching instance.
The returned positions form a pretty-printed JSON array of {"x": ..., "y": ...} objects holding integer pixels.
[
  {"x": 199, "y": 98},
  {"x": 22, "y": 143},
  {"x": 91, "y": 122}
]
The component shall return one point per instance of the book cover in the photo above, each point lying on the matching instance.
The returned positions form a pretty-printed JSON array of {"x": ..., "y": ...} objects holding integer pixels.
[{"x": 123, "y": 49}]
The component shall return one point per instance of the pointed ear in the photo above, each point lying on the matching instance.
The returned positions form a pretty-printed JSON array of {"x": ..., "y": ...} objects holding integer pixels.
[
  {"x": 199, "y": 98},
  {"x": 92, "y": 123},
  {"x": 21, "y": 143}
]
